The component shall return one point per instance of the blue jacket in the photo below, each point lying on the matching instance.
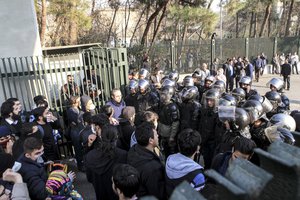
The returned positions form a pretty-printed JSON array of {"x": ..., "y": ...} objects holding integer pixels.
[
  {"x": 180, "y": 168},
  {"x": 118, "y": 107},
  {"x": 249, "y": 70},
  {"x": 35, "y": 176}
]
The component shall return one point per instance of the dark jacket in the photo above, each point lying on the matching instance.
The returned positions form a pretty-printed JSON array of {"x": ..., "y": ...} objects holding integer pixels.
[
  {"x": 84, "y": 137},
  {"x": 249, "y": 70},
  {"x": 286, "y": 69},
  {"x": 220, "y": 162},
  {"x": 180, "y": 168},
  {"x": 152, "y": 172},
  {"x": 15, "y": 129},
  {"x": 35, "y": 176},
  {"x": 99, "y": 169},
  {"x": 125, "y": 131},
  {"x": 51, "y": 149}
]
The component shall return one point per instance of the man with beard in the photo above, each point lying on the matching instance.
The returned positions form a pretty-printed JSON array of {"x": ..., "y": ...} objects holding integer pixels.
[
  {"x": 168, "y": 121},
  {"x": 10, "y": 113}
]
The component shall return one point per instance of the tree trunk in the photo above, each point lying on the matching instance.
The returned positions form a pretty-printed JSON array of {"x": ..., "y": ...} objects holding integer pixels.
[
  {"x": 283, "y": 20},
  {"x": 73, "y": 29},
  {"x": 251, "y": 24},
  {"x": 237, "y": 25},
  {"x": 43, "y": 22},
  {"x": 93, "y": 7},
  {"x": 111, "y": 25},
  {"x": 72, "y": 32},
  {"x": 255, "y": 25},
  {"x": 158, "y": 25},
  {"x": 269, "y": 26},
  {"x": 288, "y": 24},
  {"x": 150, "y": 20},
  {"x": 127, "y": 20},
  {"x": 55, "y": 34},
  {"x": 266, "y": 18},
  {"x": 137, "y": 25},
  {"x": 209, "y": 4}
]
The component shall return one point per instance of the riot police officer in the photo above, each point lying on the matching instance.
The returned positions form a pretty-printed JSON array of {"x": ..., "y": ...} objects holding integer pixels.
[
  {"x": 168, "y": 126},
  {"x": 190, "y": 109},
  {"x": 131, "y": 98},
  {"x": 245, "y": 84},
  {"x": 209, "y": 124}
]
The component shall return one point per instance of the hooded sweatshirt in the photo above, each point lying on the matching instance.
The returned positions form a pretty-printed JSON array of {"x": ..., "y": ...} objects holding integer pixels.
[
  {"x": 180, "y": 168},
  {"x": 99, "y": 171}
]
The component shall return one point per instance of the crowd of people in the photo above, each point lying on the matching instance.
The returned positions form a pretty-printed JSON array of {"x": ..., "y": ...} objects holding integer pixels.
[{"x": 148, "y": 142}]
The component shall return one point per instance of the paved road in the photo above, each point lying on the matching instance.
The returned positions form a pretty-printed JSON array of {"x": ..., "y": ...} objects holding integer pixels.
[{"x": 293, "y": 94}]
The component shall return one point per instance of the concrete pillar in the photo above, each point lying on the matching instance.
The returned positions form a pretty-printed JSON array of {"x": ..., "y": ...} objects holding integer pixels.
[{"x": 19, "y": 35}]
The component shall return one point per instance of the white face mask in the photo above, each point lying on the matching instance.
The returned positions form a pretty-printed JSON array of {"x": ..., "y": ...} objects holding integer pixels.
[{"x": 92, "y": 107}]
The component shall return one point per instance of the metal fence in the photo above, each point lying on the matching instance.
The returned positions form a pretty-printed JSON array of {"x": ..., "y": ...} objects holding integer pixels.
[
  {"x": 186, "y": 57},
  {"x": 95, "y": 72}
]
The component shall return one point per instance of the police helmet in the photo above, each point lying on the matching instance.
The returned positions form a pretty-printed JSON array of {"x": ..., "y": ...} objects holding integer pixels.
[
  {"x": 245, "y": 80},
  {"x": 188, "y": 81},
  {"x": 220, "y": 85},
  {"x": 143, "y": 84},
  {"x": 168, "y": 82},
  {"x": 277, "y": 83},
  {"x": 267, "y": 105},
  {"x": 284, "y": 121},
  {"x": 242, "y": 118},
  {"x": 274, "y": 97},
  {"x": 210, "y": 78},
  {"x": 239, "y": 94},
  {"x": 254, "y": 109},
  {"x": 168, "y": 89},
  {"x": 174, "y": 75},
  {"x": 191, "y": 93},
  {"x": 227, "y": 100},
  {"x": 133, "y": 85},
  {"x": 144, "y": 73}
]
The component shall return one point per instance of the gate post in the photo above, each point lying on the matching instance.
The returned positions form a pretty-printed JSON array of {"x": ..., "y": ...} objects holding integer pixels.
[
  {"x": 172, "y": 50},
  {"x": 213, "y": 49},
  {"x": 247, "y": 47}
]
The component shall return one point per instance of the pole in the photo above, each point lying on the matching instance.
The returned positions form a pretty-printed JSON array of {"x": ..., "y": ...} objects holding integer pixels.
[{"x": 221, "y": 30}]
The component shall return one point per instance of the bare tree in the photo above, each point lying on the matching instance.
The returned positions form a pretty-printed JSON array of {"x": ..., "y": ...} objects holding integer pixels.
[
  {"x": 43, "y": 22},
  {"x": 266, "y": 18},
  {"x": 151, "y": 18},
  {"x": 288, "y": 23},
  {"x": 115, "y": 4}
]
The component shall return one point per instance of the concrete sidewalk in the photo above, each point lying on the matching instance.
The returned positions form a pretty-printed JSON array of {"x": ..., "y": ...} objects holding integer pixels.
[{"x": 293, "y": 94}]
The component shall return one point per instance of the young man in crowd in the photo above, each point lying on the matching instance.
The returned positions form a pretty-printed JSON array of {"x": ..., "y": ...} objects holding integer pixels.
[
  {"x": 32, "y": 171},
  {"x": 10, "y": 113},
  {"x": 242, "y": 148},
  {"x": 181, "y": 166},
  {"x": 125, "y": 181},
  {"x": 46, "y": 123},
  {"x": 142, "y": 157}
]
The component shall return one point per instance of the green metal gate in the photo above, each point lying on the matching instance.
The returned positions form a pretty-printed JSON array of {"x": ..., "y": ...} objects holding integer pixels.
[{"x": 26, "y": 77}]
